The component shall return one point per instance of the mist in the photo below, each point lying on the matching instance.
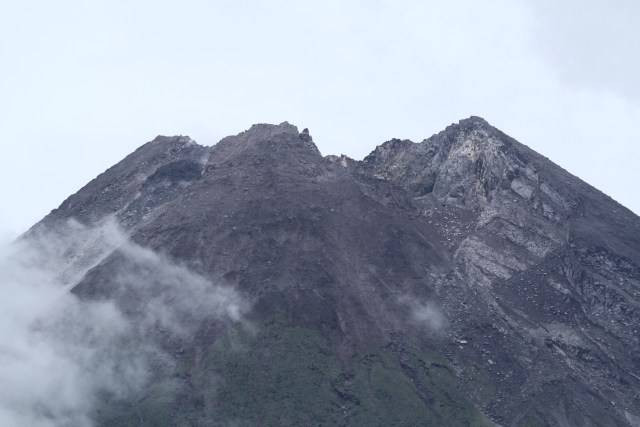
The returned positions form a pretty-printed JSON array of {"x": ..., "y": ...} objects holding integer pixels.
[
  {"x": 426, "y": 314},
  {"x": 61, "y": 353}
]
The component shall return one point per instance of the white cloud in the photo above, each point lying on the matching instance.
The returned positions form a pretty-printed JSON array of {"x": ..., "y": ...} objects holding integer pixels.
[
  {"x": 58, "y": 352},
  {"x": 426, "y": 314}
]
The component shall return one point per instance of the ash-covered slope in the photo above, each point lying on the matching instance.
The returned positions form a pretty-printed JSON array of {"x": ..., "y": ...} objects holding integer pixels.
[{"x": 463, "y": 280}]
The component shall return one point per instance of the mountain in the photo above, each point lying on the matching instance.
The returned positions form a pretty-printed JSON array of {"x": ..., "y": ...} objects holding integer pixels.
[{"x": 465, "y": 280}]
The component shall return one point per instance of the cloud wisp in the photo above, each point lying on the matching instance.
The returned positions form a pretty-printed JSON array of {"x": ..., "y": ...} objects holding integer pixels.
[
  {"x": 425, "y": 314},
  {"x": 61, "y": 353}
]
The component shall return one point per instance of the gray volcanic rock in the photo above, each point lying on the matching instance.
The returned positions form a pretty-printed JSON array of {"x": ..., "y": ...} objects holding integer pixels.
[{"x": 463, "y": 280}]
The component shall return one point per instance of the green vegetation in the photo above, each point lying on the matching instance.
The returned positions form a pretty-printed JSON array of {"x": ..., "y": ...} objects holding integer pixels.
[{"x": 291, "y": 376}]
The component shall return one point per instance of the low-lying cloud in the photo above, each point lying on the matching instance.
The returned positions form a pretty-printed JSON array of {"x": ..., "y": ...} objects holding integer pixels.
[{"x": 60, "y": 353}]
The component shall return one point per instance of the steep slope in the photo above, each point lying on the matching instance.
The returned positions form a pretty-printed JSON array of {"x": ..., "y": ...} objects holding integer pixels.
[
  {"x": 449, "y": 282},
  {"x": 546, "y": 253}
]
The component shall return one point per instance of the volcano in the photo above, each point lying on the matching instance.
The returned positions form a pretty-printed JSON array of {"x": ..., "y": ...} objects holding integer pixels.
[{"x": 464, "y": 280}]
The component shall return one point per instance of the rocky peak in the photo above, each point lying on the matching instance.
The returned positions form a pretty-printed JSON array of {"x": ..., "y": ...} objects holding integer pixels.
[
  {"x": 263, "y": 140},
  {"x": 267, "y": 130},
  {"x": 467, "y": 164},
  {"x": 261, "y": 132},
  {"x": 472, "y": 122}
]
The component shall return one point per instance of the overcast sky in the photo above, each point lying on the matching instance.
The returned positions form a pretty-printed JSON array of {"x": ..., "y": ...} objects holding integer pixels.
[{"x": 83, "y": 83}]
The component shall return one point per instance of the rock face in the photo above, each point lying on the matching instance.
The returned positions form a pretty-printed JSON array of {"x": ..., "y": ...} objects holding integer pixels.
[{"x": 463, "y": 280}]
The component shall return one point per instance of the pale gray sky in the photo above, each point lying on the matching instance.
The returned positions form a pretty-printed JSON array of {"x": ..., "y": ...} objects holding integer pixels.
[{"x": 83, "y": 83}]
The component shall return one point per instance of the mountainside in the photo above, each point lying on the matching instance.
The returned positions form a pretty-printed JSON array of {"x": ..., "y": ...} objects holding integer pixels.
[{"x": 464, "y": 280}]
